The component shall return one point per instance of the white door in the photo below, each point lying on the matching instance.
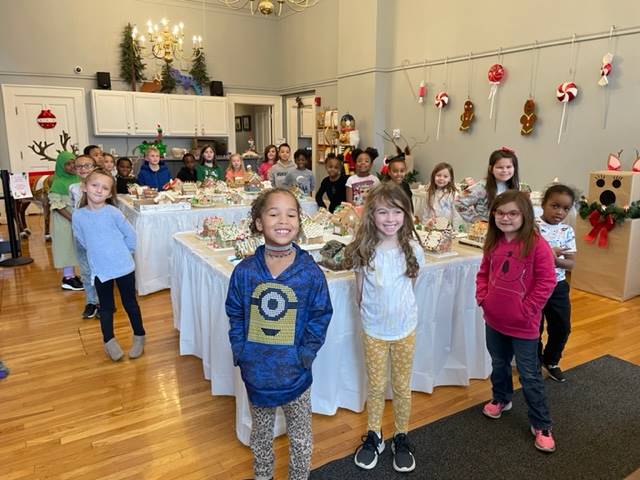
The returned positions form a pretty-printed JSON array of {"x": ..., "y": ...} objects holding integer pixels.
[
  {"x": 112, "y": 114},
  {"x": 307, "y": 121},
  {"x": 149, "y": 111},
  {"x": 182, "y": 116},
  {"x": 262, "y": 127},
  {"x": 23, "y": 104},
  {"x": 213, "y": 116}
]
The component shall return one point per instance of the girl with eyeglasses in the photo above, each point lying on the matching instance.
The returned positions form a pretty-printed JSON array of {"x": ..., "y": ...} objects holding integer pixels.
[{"x": 515, "y": 280}]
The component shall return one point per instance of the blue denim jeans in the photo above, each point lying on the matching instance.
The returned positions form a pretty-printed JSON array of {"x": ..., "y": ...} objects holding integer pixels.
[
  {"x": 85, "y": 274},
  {"x": 502, "y": 348}
]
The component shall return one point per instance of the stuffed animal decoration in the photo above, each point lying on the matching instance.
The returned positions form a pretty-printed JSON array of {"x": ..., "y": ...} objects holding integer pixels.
[
  {"x": 613, "y": 162},
  {"x": 529, "y": 118},
  {"x": 467, "y": 116},
  {"x": 186, "y": 81},
  {"x": 151, "y": 87}
]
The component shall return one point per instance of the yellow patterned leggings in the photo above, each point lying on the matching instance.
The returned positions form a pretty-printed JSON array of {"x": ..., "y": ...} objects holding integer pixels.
[{"x": 376, "y": 355}]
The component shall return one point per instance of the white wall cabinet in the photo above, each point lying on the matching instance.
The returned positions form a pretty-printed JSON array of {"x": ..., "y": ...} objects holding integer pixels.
[
  {"x": 112, "y": 112},
  {"x": 149, "y": 111},
  {"x": 213, "y": 116},
  {"x": 138, "y": 114},
  {"x": 183, "y": 116}
]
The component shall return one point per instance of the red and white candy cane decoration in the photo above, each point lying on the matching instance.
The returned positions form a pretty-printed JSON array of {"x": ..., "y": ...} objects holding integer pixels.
[
  {"x": 441, "y": 100},
  {"x": 565, "y": 93},
  {"x": 605, "y": 70},
  {"x": 495, "y": 75}
]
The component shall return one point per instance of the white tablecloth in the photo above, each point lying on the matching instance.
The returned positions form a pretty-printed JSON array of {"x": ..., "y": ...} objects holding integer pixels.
[
  {"x": 154, "y": 231},
  {"x": 450, "y": 344}
]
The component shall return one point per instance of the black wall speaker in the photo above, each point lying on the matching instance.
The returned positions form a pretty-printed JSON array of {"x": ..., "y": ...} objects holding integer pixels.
[
  {"x": 216, "y": 88},
  {"x": 104, "y": 80}
]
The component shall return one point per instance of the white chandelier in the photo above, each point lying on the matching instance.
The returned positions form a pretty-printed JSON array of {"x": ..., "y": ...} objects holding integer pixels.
[{"x": 268, "y": 7}]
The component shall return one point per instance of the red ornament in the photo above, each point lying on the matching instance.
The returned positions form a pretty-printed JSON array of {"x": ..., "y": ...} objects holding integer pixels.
[
  {"x": 46, "y": 119},
  {"x": 496, "y": 73}
]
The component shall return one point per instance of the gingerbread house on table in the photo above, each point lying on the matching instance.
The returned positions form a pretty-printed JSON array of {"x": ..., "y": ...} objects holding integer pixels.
[{"x": 612, "y": 269}]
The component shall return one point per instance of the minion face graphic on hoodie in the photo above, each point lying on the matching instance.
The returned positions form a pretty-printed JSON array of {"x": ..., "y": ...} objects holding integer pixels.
[{"x": 277, "y": 326}]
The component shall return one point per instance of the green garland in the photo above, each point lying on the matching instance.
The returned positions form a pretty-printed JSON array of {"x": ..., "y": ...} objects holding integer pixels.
[{"x": 619, "y": 214}]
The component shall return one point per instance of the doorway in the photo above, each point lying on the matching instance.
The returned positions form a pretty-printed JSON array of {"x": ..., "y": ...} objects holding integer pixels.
[
  {"x": 253, "y": 127},
  {"x": 254, "y": 116}
]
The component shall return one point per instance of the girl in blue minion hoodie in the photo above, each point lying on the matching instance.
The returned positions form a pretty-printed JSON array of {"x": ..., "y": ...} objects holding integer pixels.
[{"x": 279, "y": 309}]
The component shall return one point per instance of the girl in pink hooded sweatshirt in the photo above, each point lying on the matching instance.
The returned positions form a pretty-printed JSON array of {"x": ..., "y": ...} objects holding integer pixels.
[{"x": 515, "y": 279}]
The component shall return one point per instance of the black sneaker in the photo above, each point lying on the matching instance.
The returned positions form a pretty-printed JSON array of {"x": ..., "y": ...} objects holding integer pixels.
[
  {"x": 555, "y": 373},
  {"x": 90, "y": 310},
  {"x": 403, "y": 460},
  {"x": 367, "y": 454},
  {"x": 72, "y": 284}
]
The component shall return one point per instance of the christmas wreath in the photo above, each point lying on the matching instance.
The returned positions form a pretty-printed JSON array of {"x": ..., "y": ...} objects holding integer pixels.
[{"x": 604, "y": 218}]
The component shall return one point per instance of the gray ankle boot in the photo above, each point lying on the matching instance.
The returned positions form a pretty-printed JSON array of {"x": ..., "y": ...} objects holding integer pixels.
[
  {"x": 112, "y": 347},
  {"x": 137, "y": 349}
]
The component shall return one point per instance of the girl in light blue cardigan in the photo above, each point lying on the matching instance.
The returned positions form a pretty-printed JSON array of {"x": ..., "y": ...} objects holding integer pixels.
[{"x": 109, "y": 241}]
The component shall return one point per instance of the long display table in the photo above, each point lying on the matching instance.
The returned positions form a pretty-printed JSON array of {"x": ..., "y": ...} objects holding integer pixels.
[
  {"x": 155, "y": 228},
  {"x": 450, "y": 343}
]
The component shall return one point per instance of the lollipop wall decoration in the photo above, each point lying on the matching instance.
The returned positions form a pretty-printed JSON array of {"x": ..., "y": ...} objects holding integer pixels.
[
  {"x": 565, "y": 93},
  {"x": 495, "y": 75},
  {"x": 441, "y": 100}
]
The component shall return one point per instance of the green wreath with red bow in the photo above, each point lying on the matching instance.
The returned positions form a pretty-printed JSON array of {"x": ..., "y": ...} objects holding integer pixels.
[{"x": 604, "y": 218}]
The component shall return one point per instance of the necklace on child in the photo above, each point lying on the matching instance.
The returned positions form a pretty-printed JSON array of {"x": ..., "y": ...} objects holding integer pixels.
[{"x": 278, "y": 251}]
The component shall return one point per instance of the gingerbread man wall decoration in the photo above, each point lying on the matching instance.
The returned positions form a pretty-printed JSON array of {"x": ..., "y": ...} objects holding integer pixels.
[
  {"x": 529, "y": 118},
  {"x": 467, "y": 116}
]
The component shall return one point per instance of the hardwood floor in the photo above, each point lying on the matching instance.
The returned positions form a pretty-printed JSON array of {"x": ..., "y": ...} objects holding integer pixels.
[{"x": 68, "y": 412}]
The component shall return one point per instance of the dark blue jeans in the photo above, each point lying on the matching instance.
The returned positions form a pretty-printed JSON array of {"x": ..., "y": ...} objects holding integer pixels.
[{"x": 502, "y": 349}]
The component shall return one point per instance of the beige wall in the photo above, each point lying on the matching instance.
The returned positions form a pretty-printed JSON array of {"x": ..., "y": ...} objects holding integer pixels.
[
  {"x": 377, "y": 35},
  {"x": 477, "y": 26}
]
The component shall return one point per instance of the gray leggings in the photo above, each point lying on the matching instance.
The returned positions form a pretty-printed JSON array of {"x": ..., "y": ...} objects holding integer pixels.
[{"x": 297, "y": 414}]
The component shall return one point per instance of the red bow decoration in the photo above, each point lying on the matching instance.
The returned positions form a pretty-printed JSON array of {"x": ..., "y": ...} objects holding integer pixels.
[
  {"x": 507, "y": 149},
  {"x": 602, "y": 225}
]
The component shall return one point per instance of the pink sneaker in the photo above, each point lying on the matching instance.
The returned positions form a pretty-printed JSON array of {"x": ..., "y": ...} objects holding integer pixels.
[
  {"x": 544, "y": 440},
  {"x": 494, "y": 408}
]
